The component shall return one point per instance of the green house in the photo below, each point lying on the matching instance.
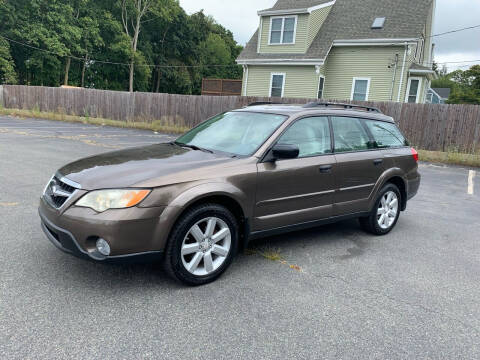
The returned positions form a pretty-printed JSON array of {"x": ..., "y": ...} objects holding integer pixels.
[{"x": 375, "y": 50}]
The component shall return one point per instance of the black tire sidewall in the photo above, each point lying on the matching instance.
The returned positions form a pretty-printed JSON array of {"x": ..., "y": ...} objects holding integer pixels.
[{"x": 174, "y": 260}]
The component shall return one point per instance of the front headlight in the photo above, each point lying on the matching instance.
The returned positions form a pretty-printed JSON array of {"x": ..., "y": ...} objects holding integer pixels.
[{"x": 102, "y": 200}]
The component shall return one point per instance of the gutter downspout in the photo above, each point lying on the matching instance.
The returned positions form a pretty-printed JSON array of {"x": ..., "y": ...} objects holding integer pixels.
[
  {"x": 403, "y": 72},
  {"x": 394, "y": 77},
  {"x": 245, "y": 69}
]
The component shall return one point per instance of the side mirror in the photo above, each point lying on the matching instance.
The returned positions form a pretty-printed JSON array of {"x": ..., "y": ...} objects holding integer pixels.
[{"x": 285, "y": 151}]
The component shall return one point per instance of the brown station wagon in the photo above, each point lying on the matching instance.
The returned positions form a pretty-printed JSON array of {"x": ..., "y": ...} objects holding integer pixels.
[{"x": 258, "y": 171}]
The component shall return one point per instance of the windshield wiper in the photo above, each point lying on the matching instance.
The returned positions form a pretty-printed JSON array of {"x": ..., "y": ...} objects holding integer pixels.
[{"x": 193, "y": 147}]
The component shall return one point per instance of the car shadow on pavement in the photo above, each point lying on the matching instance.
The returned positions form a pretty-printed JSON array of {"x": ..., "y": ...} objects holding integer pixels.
[
  {"x": 345, "y": 236},
  {"x": 342, "y": 234}
]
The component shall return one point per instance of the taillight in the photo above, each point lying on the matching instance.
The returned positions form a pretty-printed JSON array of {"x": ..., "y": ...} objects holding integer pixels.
[{"x": 415, "y": 154}]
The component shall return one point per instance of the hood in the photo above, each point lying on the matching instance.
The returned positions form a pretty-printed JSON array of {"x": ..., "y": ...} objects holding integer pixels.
[{"x": 155, "y": 164}]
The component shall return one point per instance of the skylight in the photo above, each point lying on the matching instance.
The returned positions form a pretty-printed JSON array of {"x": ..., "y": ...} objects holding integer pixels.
[{"x": 378, "y": 23}]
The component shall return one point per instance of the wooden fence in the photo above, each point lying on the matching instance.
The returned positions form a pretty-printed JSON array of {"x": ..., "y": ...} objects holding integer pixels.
[
  {"x": 427, "y": 126},
  {"x": 221, "y": 87}
]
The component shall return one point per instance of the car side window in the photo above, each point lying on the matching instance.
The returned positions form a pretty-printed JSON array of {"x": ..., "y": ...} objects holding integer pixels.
[
  {"x": 311, "y": 135},
  {"x": 386, "y": 135},
  {"x": 350, "y": 135}
]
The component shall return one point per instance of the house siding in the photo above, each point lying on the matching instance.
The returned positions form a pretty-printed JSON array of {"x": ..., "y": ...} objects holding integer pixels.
[
  {"x": 315, "y": 22},
  {"x": 300, "y": 81},
  {"x": 300, "y": 45},
  {"x": 341, "y": 67},
  {"x": 345, "y": 63}
]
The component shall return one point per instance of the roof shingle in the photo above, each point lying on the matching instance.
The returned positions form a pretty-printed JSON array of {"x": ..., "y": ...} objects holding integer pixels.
[{"x": 295, "y": 4}]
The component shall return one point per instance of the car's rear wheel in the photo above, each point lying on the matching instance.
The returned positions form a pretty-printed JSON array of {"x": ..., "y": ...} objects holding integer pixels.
[
  {"x": 202, "y": 244},
  {"x": 385, "y": 213}
]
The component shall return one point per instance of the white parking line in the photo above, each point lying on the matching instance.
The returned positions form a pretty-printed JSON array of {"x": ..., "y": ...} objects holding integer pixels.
[{"x": 471, "y": 176}]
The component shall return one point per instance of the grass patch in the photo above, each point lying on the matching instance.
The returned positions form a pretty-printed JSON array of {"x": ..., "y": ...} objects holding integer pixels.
[
  {"x": 268, "y": 253},
  {"x": 451, "y": 157},
  {"x": 157, "y": 125},
  {"x": 272, "y": 254}
]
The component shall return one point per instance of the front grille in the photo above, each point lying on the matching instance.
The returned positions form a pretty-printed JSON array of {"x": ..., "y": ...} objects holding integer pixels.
[{"x": 58, "y": 192}]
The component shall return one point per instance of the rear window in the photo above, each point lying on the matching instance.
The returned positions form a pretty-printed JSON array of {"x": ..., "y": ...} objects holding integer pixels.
[{"x": 386, "y": 135}]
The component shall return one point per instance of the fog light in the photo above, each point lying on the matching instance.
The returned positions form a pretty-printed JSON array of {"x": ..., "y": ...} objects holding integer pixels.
[{"x": 103, "y": 247}]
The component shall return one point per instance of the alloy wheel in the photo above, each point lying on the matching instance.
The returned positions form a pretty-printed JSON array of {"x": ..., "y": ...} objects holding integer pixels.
[
  {"x": 206, "y": 246},
  {"x": 387, "y": 210}
]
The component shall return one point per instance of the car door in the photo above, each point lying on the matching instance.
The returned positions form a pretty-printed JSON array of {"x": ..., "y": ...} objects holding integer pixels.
[
  {"x": 359, "y": 165},
  {"x": 297, "y": 190}
]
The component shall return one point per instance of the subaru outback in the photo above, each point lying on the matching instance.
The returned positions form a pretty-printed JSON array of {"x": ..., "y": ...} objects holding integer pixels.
[{"x": 258, "y": 171}]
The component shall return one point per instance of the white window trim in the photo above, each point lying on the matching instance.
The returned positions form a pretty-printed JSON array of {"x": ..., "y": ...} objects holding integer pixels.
[
  {"x": 323, "y": 90},
  {"x": 353, "y": 86},
  {"x": 407, "y": 94},
  {"x": 260, "y": 35},
  {"x": 283, "y": 83},
  {"x": 283, "y": 27}
]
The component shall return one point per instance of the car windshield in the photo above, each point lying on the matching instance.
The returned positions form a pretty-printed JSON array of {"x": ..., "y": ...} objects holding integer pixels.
[{"x": 238, "y": 133}]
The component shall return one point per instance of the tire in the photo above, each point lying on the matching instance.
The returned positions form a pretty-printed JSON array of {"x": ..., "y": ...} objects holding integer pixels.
[
  {"x": 384, "y": 215},
  {"x": 202, "y": 245}
]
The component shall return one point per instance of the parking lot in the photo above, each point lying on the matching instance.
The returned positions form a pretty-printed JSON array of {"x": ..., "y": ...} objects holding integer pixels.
[{"x": 333, "y": 292}]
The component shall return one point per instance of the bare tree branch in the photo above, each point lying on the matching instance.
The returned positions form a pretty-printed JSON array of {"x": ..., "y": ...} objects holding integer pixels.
[
  {"x": 125, "y": 16},
  {"x": 141, "y": 8}
]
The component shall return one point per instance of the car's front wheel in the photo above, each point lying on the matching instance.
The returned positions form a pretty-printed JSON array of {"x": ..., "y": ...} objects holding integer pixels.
[
  {"x": 202, "y": 244},
  {"x": 385, "y": 213}
]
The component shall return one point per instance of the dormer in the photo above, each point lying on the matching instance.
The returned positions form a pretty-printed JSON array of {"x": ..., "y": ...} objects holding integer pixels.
[{"x": 287, "y": 30}]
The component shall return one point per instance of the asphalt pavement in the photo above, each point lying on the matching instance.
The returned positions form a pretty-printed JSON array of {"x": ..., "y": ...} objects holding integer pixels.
[{"x": 336, "y": 293}]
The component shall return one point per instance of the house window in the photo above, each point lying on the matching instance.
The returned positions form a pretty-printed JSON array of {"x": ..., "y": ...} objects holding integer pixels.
[
  {"x": 413, "y": 90},
  {"x": 282, "y": 30},
  {"x": 321, "y": 85},
  {"x": 277, "y": 85},
  {"x": 360, "y": 89}
]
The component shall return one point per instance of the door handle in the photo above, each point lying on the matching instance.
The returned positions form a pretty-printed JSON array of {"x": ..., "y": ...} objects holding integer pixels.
[
  {"x": 325, "y": 169},
  {"x": 377, "y": 161}
]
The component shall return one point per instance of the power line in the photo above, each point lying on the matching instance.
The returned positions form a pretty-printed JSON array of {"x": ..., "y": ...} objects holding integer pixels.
[
  {"x": 458, "y": 62},
  {"x": 193, "y": 66},
  {"x": 455, "y": 31},
  {"x": 111, "y": 62}
]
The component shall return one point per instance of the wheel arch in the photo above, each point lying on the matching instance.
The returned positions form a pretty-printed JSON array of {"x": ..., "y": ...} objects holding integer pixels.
[
  {"x": 402, "y": 186},
  {"x": 395, "y": 176},
  {"x": 229, "y": 196}
]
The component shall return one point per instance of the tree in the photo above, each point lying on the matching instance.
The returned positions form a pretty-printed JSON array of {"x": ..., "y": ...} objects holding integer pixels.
[
  {"x": 142, "y": 45},
  {"x": 46, "y": 25},
  {"x": 86, "y": 20},
  {"x": 133, "y": 12},
  {"x": 216, "y": 46},
  {"x": 8, "y": 74},
  {"x": 467, "y": 86},
  {"x": 7, "y": 66}
]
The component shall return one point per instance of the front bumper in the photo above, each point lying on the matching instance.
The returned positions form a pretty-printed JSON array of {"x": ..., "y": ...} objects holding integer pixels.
[{"x": 131, "y": 233}]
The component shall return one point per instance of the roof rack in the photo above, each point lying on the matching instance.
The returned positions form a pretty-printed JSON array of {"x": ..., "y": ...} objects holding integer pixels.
[
  {"x": 344, "y": 106},
  {"x": 258, "y": 103}
]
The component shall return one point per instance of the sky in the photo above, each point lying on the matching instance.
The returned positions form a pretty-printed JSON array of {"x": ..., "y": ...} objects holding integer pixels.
[{"x": 240, "y": 16}]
